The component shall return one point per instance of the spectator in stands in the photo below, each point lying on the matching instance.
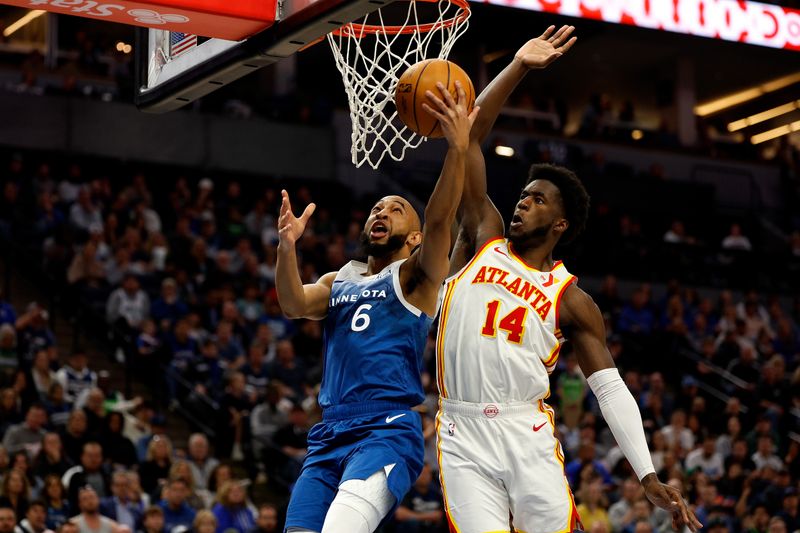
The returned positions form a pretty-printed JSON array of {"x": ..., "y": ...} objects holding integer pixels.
[
  {"x": 642, "y": 518},
  {"x": 28, "y": 435},
  {"x": 74, "y": 435},
  {"x": 8, "y": 520},
  {"x": 53, "y": 494},
  {"x": 90, "y": 520},
  {"x": 34, "y": 334},
  {"x": 789, "y": 512},
  {"x": 255, "y": 371},
  {"x": 230, "y": 348},
  {"x": 586, "y": 461},
  {"x": 679, "y": 437},
  {"x": 118, "y": 506},
  {"x": 765, "y": 456},
  {"x": 9, "y": 355},
  {"x": 16, "y": 492},
  {"x": 706, "y": 458},
  {"x": 91, "y": 400},
  {"x": 267, "y": 417},
  {"x": 287, "y": 369},
  {"x": 231, "y": 509},
  {"x": 42, "y": 376},
  {"x": 7, "y": 313},
  {"x": 51, "y": 459},
  {"x": 204, "y": 522},
  {"x": 267, "y": 519},
  {"x": 676, "y": 234},
  {"x": 155, "y": 468},
  {"x": 168, "y": 308},
  {"x": 592, "y": 508},
  {"x": 176, "y": 511},
  {"x": 35, "y": 519},
  {"x": 200, "y": 460},
  {"x": 119, "y": 449},
  {"x": 736, "y": 240},
  {"x": 621, "y": 513},
  {"x": 89, "y": 472},
  {"x": 127, "y": 308},
  {"x": 421, "y": 511},
  {"x": 83, "y": 213},
  {"x": 76, "y": 377},
  {"x": 183, "y": 354},
  {"x": 636, "y": 317},
  {"x": 233, "y": 420},
  {"x": 153, "y": 520}
]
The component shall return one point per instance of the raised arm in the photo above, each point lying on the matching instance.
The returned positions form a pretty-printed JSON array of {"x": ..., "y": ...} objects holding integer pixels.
[
  {"x": 425, "y": 270},
  {"x": 298, "y": 300},
  {"x": 583, "y": 323},
  {"x": 478, "y": 218}
]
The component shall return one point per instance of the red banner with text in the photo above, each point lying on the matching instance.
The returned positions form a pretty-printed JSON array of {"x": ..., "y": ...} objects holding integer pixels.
[
  {"x": 731, "y": 20},
  {"x": 210, "y": 18}
]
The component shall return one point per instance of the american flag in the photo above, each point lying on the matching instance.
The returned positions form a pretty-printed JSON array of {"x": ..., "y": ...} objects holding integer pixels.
[{"x": 180, "y": 43}]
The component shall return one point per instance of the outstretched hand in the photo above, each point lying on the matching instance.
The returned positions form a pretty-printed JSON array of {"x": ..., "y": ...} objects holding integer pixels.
[
  {"x": 549, "y": 46},
  {"x": 670, "y": 499},
  {"x": 453, "y": 117},
  {"x": 291, "y": 228}
]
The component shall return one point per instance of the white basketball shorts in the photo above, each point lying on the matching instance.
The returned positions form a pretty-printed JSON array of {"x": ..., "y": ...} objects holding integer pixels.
[{"x": 501, "y": 462}]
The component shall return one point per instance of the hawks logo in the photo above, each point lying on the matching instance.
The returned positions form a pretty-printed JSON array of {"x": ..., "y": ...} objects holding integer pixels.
[{"x": 491, "y": 411}]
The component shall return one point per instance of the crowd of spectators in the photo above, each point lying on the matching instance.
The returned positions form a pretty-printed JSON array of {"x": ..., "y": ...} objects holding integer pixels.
[{"x": 182, "y": 273}]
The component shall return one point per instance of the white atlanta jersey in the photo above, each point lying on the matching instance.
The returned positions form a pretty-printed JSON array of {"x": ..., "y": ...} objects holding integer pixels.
[{"x": 498, "y": 330}]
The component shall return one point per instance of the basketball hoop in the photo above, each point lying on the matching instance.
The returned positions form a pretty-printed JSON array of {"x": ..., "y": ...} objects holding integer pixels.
[{"x": 371, "y": 55}]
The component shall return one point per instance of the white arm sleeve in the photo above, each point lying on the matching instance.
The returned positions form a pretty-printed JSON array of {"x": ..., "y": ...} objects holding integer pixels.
[{"x": 623, "y": 417}]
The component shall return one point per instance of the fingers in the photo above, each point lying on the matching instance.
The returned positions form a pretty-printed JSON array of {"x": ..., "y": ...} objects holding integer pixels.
[
  {"x": 562, "y": 35},
  {"x": 451, "y": 103},
  {"x": 431, "y": 111},
  {"x": 547, "y": 32},
  {"x": 474, "y": 115},
  {"x": 308, "y": 212},
  {"x": 564, "y": 48},
  {"x": 557, "y": 35},
  {"x": 286, "y": 206},
  {"x": 462, "y": 95}
]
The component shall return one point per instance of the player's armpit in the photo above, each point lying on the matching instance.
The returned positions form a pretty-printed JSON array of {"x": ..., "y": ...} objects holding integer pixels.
[
  {"x": 582, "y": 323},
  {"x": 317, "y": 296}
]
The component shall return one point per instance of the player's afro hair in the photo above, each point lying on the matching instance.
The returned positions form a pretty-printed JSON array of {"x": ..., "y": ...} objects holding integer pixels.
[{"x": 574, "y": 197}]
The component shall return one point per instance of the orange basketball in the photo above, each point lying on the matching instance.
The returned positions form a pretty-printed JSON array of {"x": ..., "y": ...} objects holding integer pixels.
[{"x": 423, "y": 76}]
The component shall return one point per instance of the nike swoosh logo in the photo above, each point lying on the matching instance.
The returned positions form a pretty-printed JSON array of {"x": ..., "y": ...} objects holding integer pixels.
[
  {"x": 499, "y": 251},
  {"x": 390, "y": 419},
  {"x": 540, "y": 426}
]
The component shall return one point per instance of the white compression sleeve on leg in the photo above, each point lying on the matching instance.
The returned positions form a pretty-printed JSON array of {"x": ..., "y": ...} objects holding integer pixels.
[
  {"x": 360, "y": 505},
  {"x": 623, "y": 417}
]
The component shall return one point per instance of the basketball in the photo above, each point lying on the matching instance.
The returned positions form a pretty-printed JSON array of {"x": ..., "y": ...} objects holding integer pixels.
[{"x": 421, "y": 77}]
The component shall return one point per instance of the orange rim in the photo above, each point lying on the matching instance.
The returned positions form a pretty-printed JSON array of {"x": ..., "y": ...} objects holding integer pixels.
[{"x": 357, "y": 31}]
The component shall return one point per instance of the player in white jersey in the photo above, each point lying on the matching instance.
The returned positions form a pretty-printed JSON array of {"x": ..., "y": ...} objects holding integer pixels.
[{"x": 500, "y": 334}]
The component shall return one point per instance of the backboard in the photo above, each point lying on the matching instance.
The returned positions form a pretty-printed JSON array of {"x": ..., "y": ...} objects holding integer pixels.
[{"x": 174, "y": 69}]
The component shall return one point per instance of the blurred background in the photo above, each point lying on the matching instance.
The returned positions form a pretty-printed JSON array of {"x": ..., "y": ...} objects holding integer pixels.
[{"x": 143, "y": 351}]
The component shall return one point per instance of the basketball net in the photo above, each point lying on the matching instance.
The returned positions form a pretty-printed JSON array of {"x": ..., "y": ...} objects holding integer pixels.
[{"x": 372, "y": 55}]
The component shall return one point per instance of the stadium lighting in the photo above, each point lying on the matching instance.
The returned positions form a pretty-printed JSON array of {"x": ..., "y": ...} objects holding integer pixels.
[
  {"x": 637, "y": 135},
  {"x": 737, "y": 125},
  {"x": 774, "y": 133},
  {"x": 504, "y": 151},
  {"x": 29, "y": 16},
  {"x": 740, "y": 97}
]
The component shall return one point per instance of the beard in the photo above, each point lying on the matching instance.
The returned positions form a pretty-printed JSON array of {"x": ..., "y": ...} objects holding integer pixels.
[
  {"x": 532, "y": 237},
  {"x": 377, "y": 250}
]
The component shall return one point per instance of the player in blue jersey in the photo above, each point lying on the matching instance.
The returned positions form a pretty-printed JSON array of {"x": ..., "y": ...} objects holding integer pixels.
[{"x": 368, "y": 450}]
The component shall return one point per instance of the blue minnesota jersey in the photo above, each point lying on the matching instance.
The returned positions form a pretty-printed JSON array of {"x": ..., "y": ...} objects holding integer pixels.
[{"x": 374, "y": 340}]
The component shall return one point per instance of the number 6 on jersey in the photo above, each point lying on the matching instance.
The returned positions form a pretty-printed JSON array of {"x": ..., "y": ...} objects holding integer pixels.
[
  {"x": 513, "y": 323},
  {"x": 360, "y": 319}
]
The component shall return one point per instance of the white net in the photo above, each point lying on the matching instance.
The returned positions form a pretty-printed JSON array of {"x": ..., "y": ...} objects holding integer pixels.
[{"x": 372, "y": 55}]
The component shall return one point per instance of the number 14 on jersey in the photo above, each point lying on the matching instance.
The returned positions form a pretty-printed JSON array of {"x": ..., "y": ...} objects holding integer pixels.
[{"x": 513, "y": 323}]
